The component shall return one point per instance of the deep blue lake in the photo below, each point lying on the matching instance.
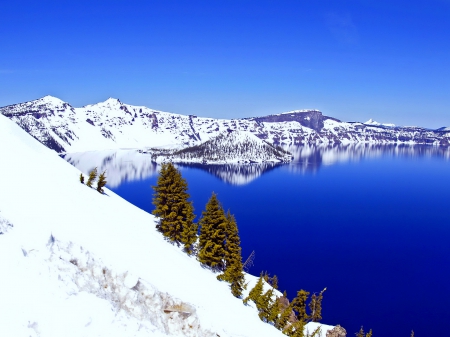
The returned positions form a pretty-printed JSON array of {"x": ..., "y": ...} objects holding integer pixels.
[{"x": 372, "y": 224}]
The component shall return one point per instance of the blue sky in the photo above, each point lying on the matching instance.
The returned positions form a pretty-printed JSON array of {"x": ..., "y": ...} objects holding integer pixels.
[{"x": 353, "y": 60}]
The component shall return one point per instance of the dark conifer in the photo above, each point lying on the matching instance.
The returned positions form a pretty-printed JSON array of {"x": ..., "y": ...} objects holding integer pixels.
[
  {"x": 298, "y": 328},
  {"x": 274, "y": 311},
  {"x": 360, "y": 333},
  {"x": 256, "y": 291},
  {"x": 81, "y": 178},
  {"x": 315, "y": 305},
  {"x": 189, "y": 233},
  {"x": 275, "y": 281},
  {"x": 282, "y": 321},
  {"x": 265, "y": 304},
  {"x": 101, "y": 182},
  {"x": 212, "y": 235},
  {"x": 299, "y": 305},
  {"x": 233, "y": 259},
  {"x": 173, "y": 208},
  {"x": 92, "y": 177}
]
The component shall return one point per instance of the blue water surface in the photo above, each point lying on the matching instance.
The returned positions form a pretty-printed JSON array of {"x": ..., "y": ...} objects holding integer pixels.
[{"x": 374, "y": 230}]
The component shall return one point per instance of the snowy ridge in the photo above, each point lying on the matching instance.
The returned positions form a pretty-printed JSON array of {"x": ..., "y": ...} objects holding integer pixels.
[
  {"x": 226, "y": 148},
  {"x": 112, "y": 125},
  {"x": 74, "y": 264},
  {"x": 372, "y": 122}
]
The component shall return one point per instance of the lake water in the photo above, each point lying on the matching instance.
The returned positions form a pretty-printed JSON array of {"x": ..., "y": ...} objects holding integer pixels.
[{"x": 370, "y": 223}]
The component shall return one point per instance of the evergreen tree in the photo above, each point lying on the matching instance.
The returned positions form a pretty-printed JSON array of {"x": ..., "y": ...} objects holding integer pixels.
[
  {"x": 275, "y": 281},
  {"x": 212, "y": 235},
  {"x": 256, "y": 291},
  {"x": 173, "y": 208},
  {"x": 101, "y": 182},
  {"x": 412, "y": 333},
  {"x": 81, "y": 178},
  {"x": 265, "y": 304},
  {"x": 299, "y": 305},
  {"x": 298, "y": 328},
  {"x": 360, "y": 333},
  {"x": 315, "y": 305},
  {"x": 92, "y": 177},
  {"x": 189, "y": 233},
  {"x": 274, "y": 311},
  {"x": 233, "y": 259},
  {"x": 282, "y": 321}
]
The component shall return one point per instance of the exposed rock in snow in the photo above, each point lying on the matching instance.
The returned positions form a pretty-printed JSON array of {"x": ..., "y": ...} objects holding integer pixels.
[{"x": 112, "y": 125}]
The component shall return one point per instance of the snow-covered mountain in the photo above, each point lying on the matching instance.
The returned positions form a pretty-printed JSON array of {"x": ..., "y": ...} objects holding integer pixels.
[
  {"x": 79, "y": 263},
  {"x": 375, "y": 123},
  {"x": 238, "y": 147},
  {"x": 113, "y": 124}
]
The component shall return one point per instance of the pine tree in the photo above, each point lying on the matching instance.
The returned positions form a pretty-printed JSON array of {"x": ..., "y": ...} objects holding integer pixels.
[
  {"x": 92, "y": 177},
  {"x": 275, "y": 281},
  {"x": 274, "y": 311},
  {"x": 101, "y": 182},
  {"x": 265, "y": 304},
  {"x": 233, "y": 259},
  {"x": 412, "y": 333},
  {"x": 212, "y": 235},
  {"x": 189, "y": 233},
  {"x": 299, "y": 305},
  {"x": 282, "y": 321},
  {"x": 315, "y": 305},
  {"x": 256, "y": 291},
  {"x": 360, "y": 333},
  {"x": 298, "y": 328},
  {"x": 173, "y": 208},
  {"x": 81, "y": 178}
]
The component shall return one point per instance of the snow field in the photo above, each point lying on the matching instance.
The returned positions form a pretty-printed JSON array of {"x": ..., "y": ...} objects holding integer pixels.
[{"x": 46, "y": 293}]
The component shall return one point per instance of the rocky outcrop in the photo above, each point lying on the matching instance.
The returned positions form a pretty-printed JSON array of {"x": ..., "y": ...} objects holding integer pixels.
[{"x": 337, "y": 331}]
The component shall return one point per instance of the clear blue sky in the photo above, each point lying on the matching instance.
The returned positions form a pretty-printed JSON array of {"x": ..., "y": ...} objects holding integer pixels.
[{"x": 354, "y": 60}]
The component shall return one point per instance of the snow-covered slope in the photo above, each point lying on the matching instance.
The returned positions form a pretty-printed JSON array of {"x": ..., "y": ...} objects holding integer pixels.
[
  {"x": 228, "y": 147},
  {"x": 78, "y": 263},
  {"x": 113, "y": 124}
]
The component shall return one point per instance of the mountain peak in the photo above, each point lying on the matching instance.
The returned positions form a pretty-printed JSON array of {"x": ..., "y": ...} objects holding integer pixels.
[
  {"x": 112, "y": 100},
  {"x": 50, "y": 100}
]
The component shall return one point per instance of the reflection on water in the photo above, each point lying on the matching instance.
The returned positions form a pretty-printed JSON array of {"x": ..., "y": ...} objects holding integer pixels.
[
  {"x": 311, "y": 158},
  {"x": 129, "y": 165},
  {"x": 120, "y": 165},
  {"x": 237, "y": 174}
]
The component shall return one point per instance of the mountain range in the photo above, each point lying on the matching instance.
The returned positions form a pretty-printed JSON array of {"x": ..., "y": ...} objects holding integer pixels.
[{"x": 112, "y": 125}]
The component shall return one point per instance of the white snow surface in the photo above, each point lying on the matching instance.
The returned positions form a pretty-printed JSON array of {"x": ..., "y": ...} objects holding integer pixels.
[
  {"x": 78, "y": 263},
  {"x": 372, "y": 122}
]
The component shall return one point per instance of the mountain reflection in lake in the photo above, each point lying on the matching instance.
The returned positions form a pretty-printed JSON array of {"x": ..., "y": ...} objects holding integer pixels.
[
  {"x": 130, "y": 165},
  {"x": 370, "y": 223}
]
